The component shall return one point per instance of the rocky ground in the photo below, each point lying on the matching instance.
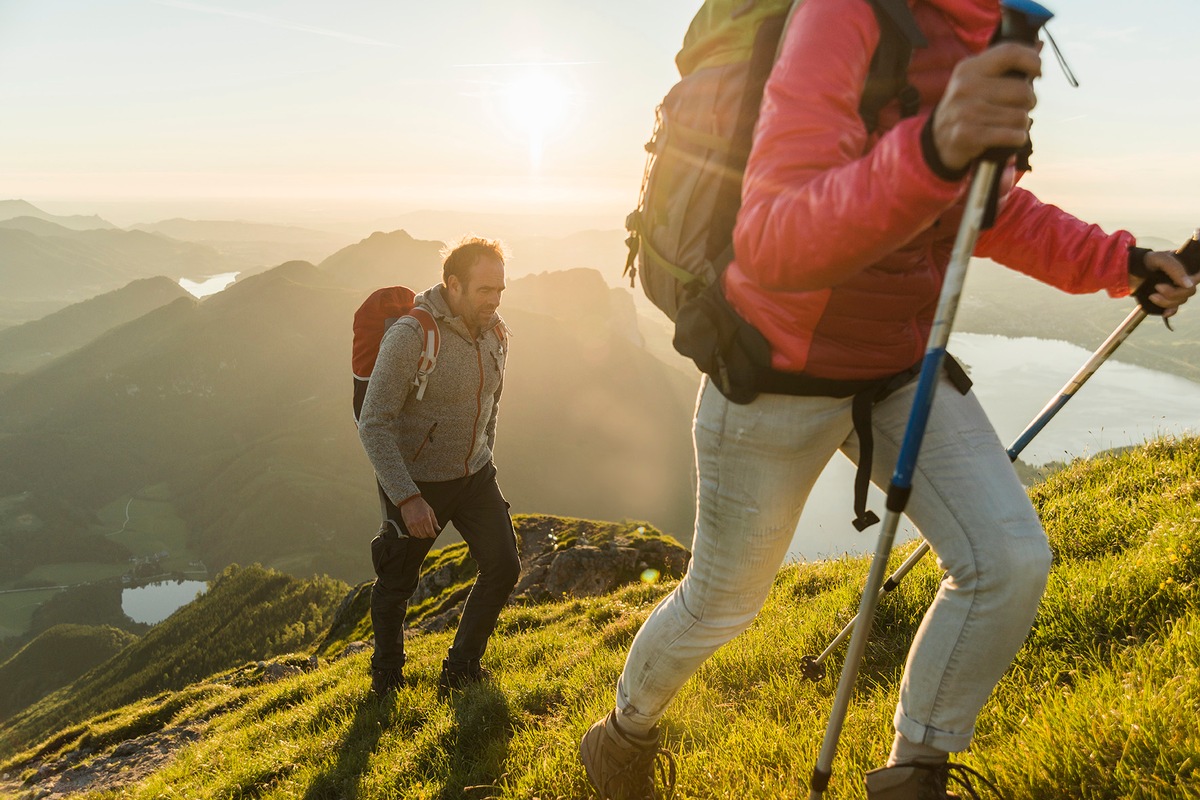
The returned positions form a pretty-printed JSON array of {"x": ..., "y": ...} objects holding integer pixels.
[{"x": 125, "y": 763}]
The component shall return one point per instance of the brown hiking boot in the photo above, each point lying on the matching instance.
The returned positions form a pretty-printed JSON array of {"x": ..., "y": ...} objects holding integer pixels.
[
  {"x": 623, "y": 767},
  {"x": 386, "y": 680},
  {"x": 456, "y": 677},
  {"x": 917, "y": 781}
]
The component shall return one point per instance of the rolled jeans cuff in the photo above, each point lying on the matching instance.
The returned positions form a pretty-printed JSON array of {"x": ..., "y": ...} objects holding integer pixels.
[{"x": 923, "y": 734}]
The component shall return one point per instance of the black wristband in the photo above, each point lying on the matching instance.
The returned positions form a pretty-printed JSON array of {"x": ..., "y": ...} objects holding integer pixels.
[
  {"x": 934, "y": 159},
  {"x": 1150, "y": 278},
  {"x": 1137, "y": 261}
]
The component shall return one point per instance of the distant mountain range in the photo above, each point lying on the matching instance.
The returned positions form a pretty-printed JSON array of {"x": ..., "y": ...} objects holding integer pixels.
[
  {"x": 236, "y": 409},
  {"x": 513, "y": 227},
  {"x": 49, "y": 261},
  {"x": 28, "y": 346},
  {"x": 43, "y": 260},
  {"x": 251, "y": 246},
  {"x": 240, "y": 404},
  {"x": 20, "y": 208}
]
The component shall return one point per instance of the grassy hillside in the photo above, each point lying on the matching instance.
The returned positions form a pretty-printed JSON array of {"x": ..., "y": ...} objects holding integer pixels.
[
  {"x": 1101, "y": 703},
  {"x": 54, "y": 659},
  {"x": 247, "y": 614}
]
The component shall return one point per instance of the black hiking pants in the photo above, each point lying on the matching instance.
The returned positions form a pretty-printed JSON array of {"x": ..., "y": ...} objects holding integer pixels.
[{"x": 480, "y": 514}]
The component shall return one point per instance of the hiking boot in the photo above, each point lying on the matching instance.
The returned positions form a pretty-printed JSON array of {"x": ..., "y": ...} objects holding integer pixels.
[
  {"x": 385, "y": 680},
  {"x": 918, "y": 781},
  {"x": 456, "y": 677},
  {"x": 622, "y": 766}
]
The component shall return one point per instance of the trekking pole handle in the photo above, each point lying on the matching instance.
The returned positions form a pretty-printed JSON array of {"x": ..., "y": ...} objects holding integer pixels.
[
  {"x": 1020, "y": 21},
  {"x": 1189, "y": 255}
]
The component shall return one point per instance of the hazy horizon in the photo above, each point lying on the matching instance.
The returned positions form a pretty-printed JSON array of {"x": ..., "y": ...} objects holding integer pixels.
[{"x": 303, "y": 113}]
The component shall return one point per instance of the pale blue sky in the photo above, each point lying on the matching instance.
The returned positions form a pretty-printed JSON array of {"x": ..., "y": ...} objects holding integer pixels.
[{"x": 305, "y": 109}]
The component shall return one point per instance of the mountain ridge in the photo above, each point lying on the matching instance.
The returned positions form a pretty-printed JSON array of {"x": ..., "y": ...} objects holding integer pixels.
[
  {"x": 238, "y": 406},
  {"x": 21, "y": 208}
]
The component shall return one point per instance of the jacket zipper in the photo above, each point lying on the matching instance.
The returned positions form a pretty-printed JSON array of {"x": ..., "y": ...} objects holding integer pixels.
[{"x": 478, "y": 411}]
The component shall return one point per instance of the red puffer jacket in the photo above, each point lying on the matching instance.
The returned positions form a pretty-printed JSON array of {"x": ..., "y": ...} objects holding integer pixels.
[{"x": 843, "y": 238}]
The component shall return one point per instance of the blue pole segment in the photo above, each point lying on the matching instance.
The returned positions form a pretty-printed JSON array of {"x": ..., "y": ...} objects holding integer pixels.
[
  {"x": 1036, "y": 426},
  {"x": 914, "y": 433}
]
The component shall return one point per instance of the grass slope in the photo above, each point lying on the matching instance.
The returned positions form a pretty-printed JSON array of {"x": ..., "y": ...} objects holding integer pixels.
[
  {"x": 247, "y": 614},
  {"x": 1102, "y": 701},
  {"x": 54, "y": 659}
]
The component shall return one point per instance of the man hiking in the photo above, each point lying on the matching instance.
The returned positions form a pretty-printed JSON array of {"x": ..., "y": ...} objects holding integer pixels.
[
  {"x": 432, "y": 454},
  {"x": 840, "y": 247}
]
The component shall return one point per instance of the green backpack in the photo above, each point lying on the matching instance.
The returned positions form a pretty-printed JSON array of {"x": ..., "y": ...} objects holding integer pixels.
[{"x": 681, "y": 235}]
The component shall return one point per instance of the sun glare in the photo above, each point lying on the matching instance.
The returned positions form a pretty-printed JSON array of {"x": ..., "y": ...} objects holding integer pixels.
[{"x": 536, "y": 104}]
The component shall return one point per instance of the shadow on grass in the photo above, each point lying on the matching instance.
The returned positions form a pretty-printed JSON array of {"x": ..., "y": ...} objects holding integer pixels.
[
  {"x": 354, "y": 753},
  {"x": 483, "y": 726}
]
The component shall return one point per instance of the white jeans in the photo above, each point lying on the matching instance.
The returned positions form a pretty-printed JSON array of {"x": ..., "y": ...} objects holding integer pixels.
[{"x": 757, "y": 464}]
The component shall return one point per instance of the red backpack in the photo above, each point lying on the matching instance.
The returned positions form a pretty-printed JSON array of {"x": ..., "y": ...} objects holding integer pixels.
[{"x": 377, "y": 313}]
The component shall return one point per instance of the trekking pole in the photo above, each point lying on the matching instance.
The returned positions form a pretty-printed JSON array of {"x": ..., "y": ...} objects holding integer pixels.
[
  {"x": 1189, "y": 255},
  {"x": 813, "y": 667},
  {"x": 1020, "y": 21}
]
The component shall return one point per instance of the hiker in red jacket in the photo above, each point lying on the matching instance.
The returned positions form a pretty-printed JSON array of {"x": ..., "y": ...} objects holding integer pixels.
[{"x": 840, "y": 248}]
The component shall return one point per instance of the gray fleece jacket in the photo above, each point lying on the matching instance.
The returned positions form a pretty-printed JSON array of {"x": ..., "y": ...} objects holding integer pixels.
[{"x": 450, "y": 432}]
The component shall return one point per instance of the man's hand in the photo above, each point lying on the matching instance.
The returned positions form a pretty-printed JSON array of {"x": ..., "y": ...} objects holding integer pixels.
[
  {"x": 1170, "y": 296},
  {"x": 419, "y": 518},
  {"x": 984, "y": 106}
]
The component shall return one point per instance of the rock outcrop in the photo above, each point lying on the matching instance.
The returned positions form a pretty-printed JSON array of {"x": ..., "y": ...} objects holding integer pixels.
[{"x": 560, "y": 557}]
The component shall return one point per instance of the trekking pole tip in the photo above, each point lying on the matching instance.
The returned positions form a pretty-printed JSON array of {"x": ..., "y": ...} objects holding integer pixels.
[{"x": 812, "y": 668}]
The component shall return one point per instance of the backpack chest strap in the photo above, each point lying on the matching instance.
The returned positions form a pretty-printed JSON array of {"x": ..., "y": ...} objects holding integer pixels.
[{"x": 431, "y": 337}]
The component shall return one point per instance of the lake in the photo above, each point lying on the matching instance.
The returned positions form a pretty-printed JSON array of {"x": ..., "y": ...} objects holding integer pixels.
[
  {"x": 1120, "y": 405},
  {"x": 154, "y": 602},
  {"x": 210, "y": 285}
]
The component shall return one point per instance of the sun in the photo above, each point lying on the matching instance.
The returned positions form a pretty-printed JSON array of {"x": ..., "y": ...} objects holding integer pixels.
[{"x": 536, "y": 104}]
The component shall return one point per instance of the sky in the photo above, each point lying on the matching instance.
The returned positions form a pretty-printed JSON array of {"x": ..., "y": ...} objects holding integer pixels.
[{"x": 296, "y": 110}]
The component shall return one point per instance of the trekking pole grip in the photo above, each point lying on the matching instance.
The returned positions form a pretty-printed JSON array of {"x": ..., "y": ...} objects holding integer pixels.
[
  {"x": 1020, "y": 21},
  {"x": 1188, "y": 255}
]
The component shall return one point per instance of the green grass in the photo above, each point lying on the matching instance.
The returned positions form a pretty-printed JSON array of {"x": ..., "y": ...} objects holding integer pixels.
[
  {"x": 16, "y": 610},
  {"x": 1102, "y": 702},
  {"x": 71, "y": 574},
  {"x": 54, "y": 659},
  {"x": 147, "y": 523}
]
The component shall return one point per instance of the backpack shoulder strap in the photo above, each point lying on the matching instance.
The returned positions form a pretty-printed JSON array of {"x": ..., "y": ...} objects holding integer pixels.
[
  {"x": 888, "y": 76},
  {"x": 432, "y": 336}
]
